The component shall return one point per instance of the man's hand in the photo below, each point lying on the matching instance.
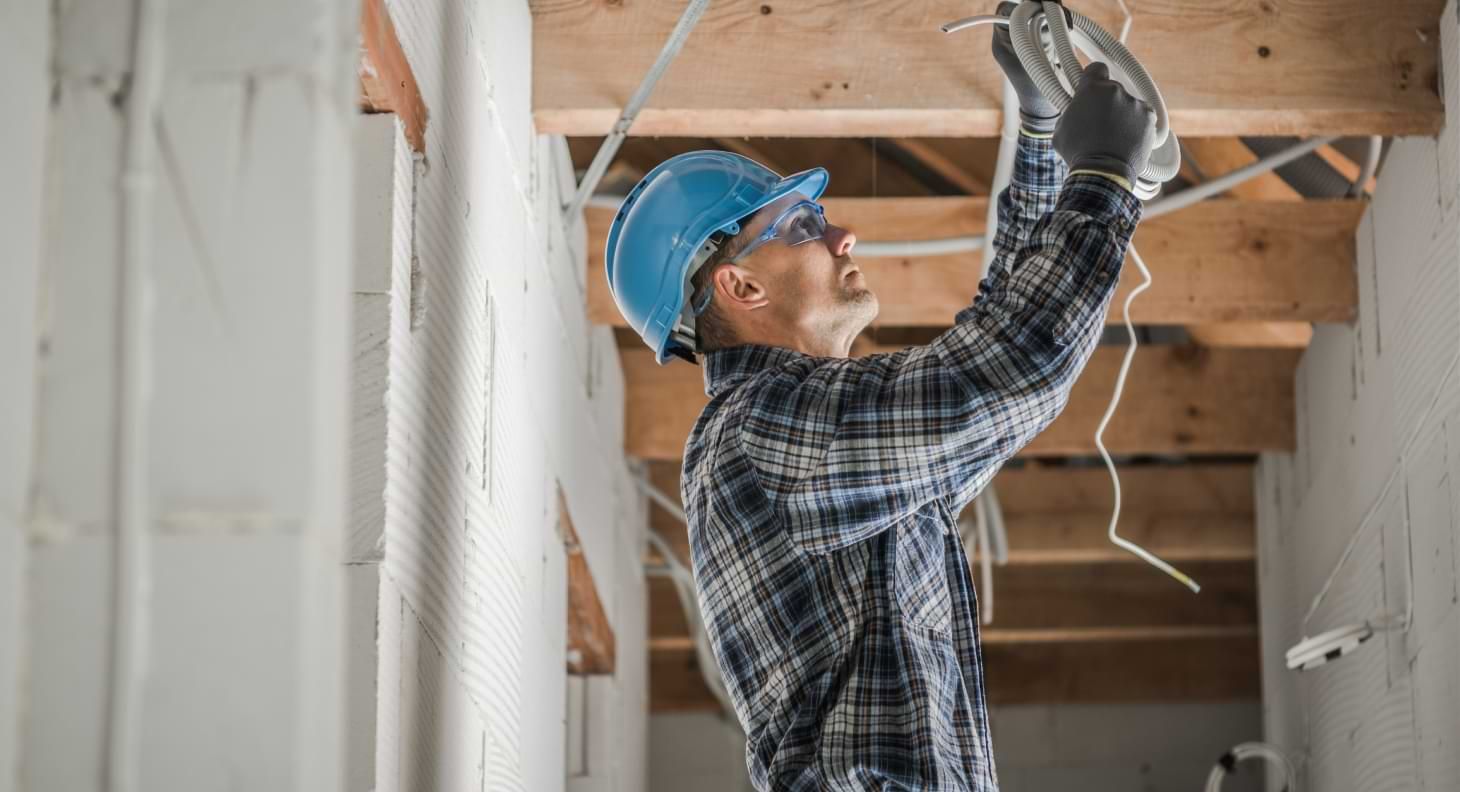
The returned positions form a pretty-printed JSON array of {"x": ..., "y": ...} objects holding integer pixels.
[
  {"x": 1037, "y": 113},
  {"x": 1106, "y": 129}
]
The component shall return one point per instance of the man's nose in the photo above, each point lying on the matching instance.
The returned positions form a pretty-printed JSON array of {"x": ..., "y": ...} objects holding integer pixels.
[{"x": 839, "y": 241}]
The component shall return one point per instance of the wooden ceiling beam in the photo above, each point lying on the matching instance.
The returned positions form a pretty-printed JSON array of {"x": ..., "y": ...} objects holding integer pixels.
[
  {"x": 1178, "y": 400},
  {"x": 1059, "y": 515},
  {"x": 591, "y": 644},
  {"x": 1220, "y": 667},
  {"x": 1253, "y": 335},
  {"x": 387, "y": 84},
  {"x": 870, "y": 68},
  {"x": 1088, "y": 601},
  {"x": 1216, "y": 262}
]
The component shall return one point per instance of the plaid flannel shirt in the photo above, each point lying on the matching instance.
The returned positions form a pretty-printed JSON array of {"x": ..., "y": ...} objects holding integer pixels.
[{"x": 823, "y": 493}]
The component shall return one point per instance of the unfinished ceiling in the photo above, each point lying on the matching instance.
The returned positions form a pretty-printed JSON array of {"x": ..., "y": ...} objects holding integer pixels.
[{"x": 903, "y": 117}]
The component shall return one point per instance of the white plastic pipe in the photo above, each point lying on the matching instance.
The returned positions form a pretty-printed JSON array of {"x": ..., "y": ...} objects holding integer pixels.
[
  {"x": 1229, "y": 180},
  {"x": 132, "y": 550},
  {"x": 1003, "y": 171},
  {"x": 684, "y": 583},
  {"x": 610, "y": 145},
  {"x": 1370, "y": 164}
]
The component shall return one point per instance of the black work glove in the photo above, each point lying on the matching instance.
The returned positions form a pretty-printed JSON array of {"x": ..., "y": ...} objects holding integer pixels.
[
  {"x": 1105, "y": 128},
  {"x": 1037, "y": 113}
]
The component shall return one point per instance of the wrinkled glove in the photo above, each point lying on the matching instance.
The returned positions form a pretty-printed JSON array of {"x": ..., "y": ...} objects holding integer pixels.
[
  {"x": 1036, "y": 113},
  {"x": 1106, "y": 129}
]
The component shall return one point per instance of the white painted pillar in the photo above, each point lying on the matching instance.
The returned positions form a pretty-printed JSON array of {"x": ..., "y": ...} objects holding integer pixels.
[
  {"x": 246, "y": 448},
  {"x": 24, "y": 58}
]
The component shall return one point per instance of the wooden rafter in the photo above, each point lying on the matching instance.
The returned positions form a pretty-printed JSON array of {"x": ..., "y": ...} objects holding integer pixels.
[
  {"x": 1219, "y": 261},
  {"x": 866, "y": 67},
  {"x": 387, "y": 84},
  {"x": 591, "y": 645},
  {"x": 1253, "y": 335},
  {"x": 1059, "y": 515},
  {"x": 1178, "y": 400},
  {"x": 1218, "y": 667}
]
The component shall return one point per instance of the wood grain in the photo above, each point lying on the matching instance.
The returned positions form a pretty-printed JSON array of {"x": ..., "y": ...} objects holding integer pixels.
[
  {"x": 1178, "y": 400},
  {"x": 1221, "y": 668},
  {"x": 1216, "y": 262},
  {"x": 387, "y": 84},
  {"x": 591, "y": 644},
  {"x": 1059, "y": 515},
  {"x": 864, "y": 67}
]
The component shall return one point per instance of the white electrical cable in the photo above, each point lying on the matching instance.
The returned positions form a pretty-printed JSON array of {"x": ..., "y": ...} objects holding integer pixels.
[
  {"x": 1227, "y": 181},
  {"x": 1371, "y": 164},
  {"x": 1161, "y": 206},
  {"x": 1003, "y": 172},
  {"x": 1252, "y": 750},
  {"x": 985, "y": 559},
  {"x": 615, "y": 138},
  {"x": 1125, "y": 362},
  {"x": 683, "y": 581},
  {"x": 998, "y": 532},
  {"x": 921, "y": 247},
  {"x": 132, "y": 551}
]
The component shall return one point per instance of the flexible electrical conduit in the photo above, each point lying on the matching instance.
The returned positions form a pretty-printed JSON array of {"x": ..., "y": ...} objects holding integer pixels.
[
  {"x": 1251, "y": 750},
  {"x": 683, "y": 582},
  {"x": 610, "y": 145},
  {"x": 132, "y": 551},
  {"x": 1025, "y": 24}
]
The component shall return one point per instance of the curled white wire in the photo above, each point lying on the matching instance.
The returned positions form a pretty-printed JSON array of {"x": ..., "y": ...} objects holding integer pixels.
[{"x": 1130, "y": 351}]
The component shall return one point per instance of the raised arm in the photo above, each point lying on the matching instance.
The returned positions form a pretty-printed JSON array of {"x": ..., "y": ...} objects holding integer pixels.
[{"x": 842, "y": 448}]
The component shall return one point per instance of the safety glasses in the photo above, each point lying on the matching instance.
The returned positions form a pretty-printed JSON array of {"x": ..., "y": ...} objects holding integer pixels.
[{"x": 799, "y": 224}]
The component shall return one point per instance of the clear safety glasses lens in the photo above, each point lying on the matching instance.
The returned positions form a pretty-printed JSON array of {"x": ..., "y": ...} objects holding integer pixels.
[{"x": 802, "y": 223}]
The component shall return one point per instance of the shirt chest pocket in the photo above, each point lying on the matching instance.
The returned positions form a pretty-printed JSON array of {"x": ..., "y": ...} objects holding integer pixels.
[{"x": 921, "y": 576}]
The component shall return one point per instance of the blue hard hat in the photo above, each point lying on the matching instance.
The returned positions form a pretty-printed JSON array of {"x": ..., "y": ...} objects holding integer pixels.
[{"x": 663, "y": 230}]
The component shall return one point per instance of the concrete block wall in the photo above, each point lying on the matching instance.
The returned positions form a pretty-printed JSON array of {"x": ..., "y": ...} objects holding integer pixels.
[
  {"x": 499, "y": 395},
  {"x": 241, "y": 453},
  {"x": 1370, "y": 500}
]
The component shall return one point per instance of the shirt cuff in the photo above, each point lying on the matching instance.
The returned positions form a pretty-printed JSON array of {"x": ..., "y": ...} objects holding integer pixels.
[
  {"x": 1099, "y": 197},
  {"x": 1121, "y": 180}
]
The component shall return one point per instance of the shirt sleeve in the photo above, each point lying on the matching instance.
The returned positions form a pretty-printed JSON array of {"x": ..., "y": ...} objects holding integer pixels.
[{"x": 843, "y": 448}]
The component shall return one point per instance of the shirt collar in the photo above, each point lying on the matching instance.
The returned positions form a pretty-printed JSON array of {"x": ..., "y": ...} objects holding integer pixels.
[{"x": 726, "y": 368}]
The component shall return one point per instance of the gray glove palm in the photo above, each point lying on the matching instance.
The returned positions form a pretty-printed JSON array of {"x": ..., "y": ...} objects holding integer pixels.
[
  {"x": 1037, "y": 113},
  {"x": 1105, "y": 128}
]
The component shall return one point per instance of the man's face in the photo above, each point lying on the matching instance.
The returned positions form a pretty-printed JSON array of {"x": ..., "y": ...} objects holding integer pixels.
[{"x": 813, "y": 288}]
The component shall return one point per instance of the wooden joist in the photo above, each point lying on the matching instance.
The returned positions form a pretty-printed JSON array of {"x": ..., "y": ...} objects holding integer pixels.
[
  {"x": 1253, "y": 335},
  {"x": 1216, "y": 262},
  {"x": 1178, "y": 400},
  {"x": 1038, "y": 601},
  {"x": 1059, "y": 515},
  {"x": 866, "y": 67},
  {"x": 591, "y": 646},
  {"x": 387, "y": 84},
  {"x": 1213, "y": 157},
  {"x": 1217, "y": 667}
]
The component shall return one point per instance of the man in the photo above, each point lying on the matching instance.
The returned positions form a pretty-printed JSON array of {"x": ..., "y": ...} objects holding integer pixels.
[{"x": 822, "y": 492}]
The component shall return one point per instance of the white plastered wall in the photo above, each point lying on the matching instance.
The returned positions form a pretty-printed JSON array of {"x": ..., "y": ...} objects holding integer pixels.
[
  {"x": 499, "y": 395},
  {"x": 1378, "y": 406}
]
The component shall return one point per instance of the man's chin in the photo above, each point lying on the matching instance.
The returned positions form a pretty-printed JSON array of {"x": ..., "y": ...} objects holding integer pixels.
[{"x": 864, "y": 302}]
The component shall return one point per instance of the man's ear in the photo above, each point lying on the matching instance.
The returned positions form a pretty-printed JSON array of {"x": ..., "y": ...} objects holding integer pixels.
[{"x": 739, "y": 289}]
